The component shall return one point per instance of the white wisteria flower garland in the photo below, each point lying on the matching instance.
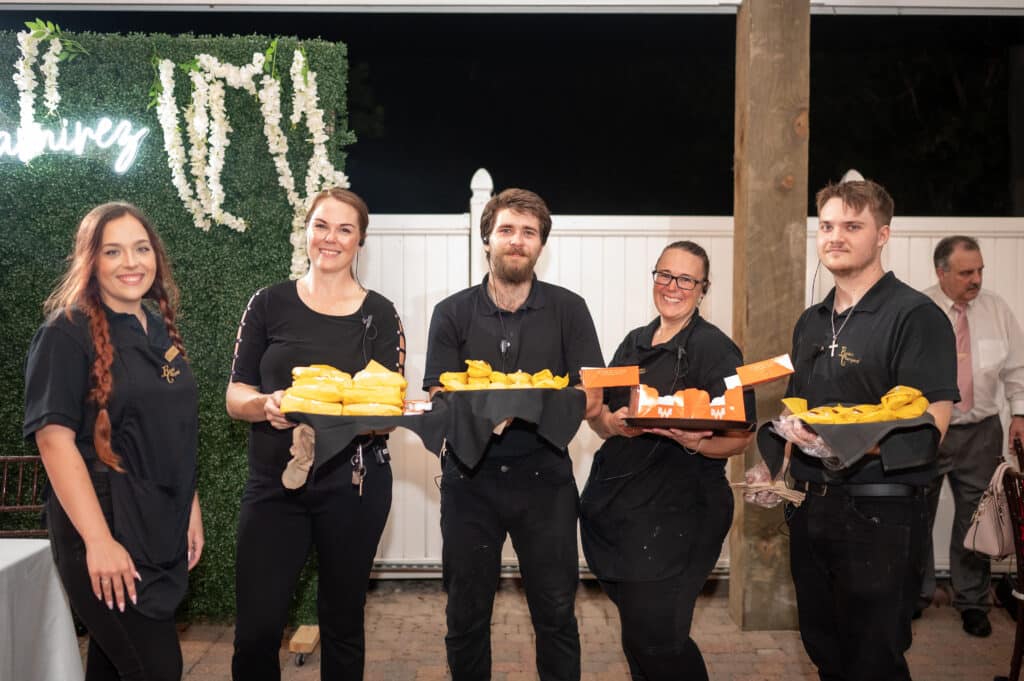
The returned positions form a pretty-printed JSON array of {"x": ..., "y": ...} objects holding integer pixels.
[
  {"x": 207, "y": 125},
  {"x": 30, "y": 142},
  {"x": 51, "y": 98}
]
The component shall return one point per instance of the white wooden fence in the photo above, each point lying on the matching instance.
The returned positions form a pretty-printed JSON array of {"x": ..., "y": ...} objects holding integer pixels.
[{"x": 417, "y": 260}]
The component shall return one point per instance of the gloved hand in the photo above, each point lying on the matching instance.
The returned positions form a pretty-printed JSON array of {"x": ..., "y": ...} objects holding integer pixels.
[{"x": 760, "y": 475}]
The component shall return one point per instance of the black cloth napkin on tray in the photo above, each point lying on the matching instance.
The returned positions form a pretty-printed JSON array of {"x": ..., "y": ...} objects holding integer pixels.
[{"x": 465, "y": 419}]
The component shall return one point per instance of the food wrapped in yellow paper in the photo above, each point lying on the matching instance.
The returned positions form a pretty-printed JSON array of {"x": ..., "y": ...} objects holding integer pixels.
[
  {"x": 341, "y": 380},
  {"x": 325, "y": 392},
  {"x": 453, "y": 377},
  {"x": 478, "y": 368},
  {"x": 318, "y": 371},
  {"x": 902, "y": 402},
  {"x": 371, "y": 409},
  {"x": 376, "y": 374},
  {"x": 378, "y": 394},
  {"x": 520, "y": 378},
  {"x": 292, "y": 403},
  {"x": 480, "y": 376}
]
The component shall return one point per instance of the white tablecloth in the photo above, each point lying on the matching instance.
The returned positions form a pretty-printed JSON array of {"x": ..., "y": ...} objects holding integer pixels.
[{"x": 37, "y": 636}]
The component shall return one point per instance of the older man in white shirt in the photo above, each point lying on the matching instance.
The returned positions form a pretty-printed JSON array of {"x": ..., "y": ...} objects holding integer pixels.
[{"x": 990, "y": 368}]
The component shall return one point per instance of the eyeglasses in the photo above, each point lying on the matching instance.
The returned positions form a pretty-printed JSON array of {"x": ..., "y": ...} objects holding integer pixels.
[{"x": 683, "y": 282}]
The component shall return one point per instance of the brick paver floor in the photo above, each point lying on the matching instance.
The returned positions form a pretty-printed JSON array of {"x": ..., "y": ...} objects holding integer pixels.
[{"x": 405, "y": 641}]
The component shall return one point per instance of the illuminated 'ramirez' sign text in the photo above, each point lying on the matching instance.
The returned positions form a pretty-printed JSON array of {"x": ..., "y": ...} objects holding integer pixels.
[{"x": 27, "y": 143}]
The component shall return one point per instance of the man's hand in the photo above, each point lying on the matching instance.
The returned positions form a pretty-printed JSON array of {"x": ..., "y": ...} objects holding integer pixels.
[{"x": 760, "y": 474}]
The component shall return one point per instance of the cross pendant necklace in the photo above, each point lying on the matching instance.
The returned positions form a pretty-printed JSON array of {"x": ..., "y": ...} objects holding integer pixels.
[{"x": 835, "y": 332}]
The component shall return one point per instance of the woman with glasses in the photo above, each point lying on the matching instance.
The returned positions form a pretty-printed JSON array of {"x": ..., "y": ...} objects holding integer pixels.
[
  {"x": 325, "y": 317},
  {"x": 657, "y": 505}
]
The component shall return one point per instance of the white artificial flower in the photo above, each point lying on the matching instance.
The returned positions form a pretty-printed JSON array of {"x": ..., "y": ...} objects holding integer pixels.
[
  {"x": 167, "y": 114},
  {"x": 50, "y": 69},
  {"x": 25, "y": 79}
]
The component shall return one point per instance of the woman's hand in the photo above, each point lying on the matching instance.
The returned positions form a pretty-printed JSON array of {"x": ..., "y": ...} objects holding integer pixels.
[
  {"x": 690, "y": 439},
  {"x": 272, "y": 410},
  {"x": 615, "y": 423},
  {"x": 196, "y": 539},
  {"x": 111, "y": 571}
]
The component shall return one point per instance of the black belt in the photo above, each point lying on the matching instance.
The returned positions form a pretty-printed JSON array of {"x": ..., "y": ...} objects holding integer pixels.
[{"x": 867, "y": 489}]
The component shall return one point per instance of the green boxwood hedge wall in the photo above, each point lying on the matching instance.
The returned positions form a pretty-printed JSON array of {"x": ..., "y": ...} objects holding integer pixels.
[{"x": 42, "y": 202}]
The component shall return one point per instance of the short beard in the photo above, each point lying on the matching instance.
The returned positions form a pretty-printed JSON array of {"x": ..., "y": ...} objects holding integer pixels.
[{"x": 512, "y": 275}]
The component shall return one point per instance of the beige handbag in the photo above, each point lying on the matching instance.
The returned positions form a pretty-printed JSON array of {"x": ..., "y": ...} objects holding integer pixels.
[{"x": 991, "y": 530}]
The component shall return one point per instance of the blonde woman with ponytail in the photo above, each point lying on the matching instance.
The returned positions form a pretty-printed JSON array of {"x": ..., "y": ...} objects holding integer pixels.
[{"x": 111, "y": 403}]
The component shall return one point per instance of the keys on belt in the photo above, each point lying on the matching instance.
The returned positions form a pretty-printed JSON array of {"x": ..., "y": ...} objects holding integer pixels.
[{"x": 866, "y": 489}]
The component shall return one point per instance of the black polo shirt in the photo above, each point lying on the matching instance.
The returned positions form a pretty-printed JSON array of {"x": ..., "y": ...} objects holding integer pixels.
[
  {"x": 700, "y": 356},
  {"x": 552, "y": 330},
  {"x": 154, "y": 420},
  {"x": 894, "y": 335}
]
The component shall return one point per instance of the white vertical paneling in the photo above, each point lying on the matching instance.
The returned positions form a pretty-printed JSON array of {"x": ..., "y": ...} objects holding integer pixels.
[{"x": 417, "y": 260}]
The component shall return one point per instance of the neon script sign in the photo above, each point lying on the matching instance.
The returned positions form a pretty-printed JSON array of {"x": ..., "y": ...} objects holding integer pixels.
[{"x": 26, "y": 143}]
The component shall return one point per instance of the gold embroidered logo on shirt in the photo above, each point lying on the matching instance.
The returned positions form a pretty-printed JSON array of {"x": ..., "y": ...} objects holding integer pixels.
[
  {"x": 169, "y": 373},
  {"x": 847, "y": 357}
]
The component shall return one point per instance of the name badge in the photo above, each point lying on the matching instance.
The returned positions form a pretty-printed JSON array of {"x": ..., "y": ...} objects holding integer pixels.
[{"x": 169, "y": 373}]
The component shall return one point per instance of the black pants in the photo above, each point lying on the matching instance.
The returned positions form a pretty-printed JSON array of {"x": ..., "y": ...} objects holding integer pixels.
[
  {"x": 857, "y": 566},
  {"x": 276, "y": 528},
  {"x": 533, "y": 499},
  {"x": 656, "y": 615},
  {"x": 656, "y": 618},
  {"x": 123, "y": 646}
]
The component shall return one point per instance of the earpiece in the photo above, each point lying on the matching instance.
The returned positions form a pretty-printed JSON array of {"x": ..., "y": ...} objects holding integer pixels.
[
  {"x": 362, "y": 240},
  {"x": 487, "y": 240}
]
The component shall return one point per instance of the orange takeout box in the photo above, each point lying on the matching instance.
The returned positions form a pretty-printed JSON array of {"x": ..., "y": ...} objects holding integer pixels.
[
  {"x": 610, "y": 377},
  {"x": 760, "y": 372},
  {"x": 645, "y": 402}
]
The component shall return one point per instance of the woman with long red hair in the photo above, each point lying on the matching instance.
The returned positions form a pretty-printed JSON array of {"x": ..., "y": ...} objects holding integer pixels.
[{"x": 112, "y": 405}]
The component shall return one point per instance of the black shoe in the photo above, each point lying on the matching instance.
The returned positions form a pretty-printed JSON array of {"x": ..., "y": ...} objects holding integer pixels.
[{"x": 976, "y": 623}]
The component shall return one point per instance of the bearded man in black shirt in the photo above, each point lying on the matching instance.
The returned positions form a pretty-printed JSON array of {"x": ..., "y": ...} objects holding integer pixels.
[{"x": 524, "y": 486}]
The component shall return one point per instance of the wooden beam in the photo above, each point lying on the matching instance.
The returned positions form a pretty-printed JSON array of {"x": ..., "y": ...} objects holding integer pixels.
[{"x": 769, "y": 254}]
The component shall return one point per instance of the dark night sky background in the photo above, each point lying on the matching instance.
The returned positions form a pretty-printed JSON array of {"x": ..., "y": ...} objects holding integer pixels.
[{"x": 618, "y": 114}]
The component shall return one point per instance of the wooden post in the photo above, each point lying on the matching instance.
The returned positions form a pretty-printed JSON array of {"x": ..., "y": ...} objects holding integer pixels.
[{"x": 769, "y": 256}]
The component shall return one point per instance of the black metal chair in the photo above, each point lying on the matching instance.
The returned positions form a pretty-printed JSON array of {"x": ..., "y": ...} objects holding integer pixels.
[
  {"x": 22, "y": 481},
  {"x": 1013, "y": 483}
]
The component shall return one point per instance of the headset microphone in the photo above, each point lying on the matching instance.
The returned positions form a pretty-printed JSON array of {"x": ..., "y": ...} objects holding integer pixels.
[
  {"x": 367, "y": 320},
  {"x": 505, "y": 346}
]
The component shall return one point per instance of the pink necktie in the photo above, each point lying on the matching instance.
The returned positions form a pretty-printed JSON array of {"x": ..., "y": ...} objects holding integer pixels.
[{"x": 964, "y": 374}]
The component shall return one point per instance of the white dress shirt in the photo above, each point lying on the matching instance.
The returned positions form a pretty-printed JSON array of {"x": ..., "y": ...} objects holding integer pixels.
[{"x": 997, "y": 354}]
